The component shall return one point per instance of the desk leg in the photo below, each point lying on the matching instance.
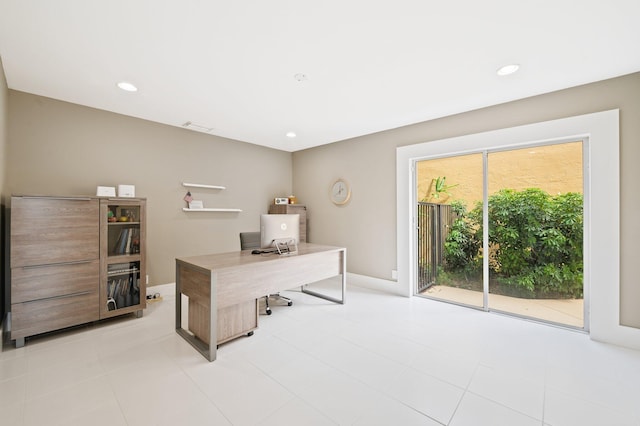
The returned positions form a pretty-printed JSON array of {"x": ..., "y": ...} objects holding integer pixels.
[
  {"x": 213, "y": 319},
  {"x": 208, "y": 351},
  {"x": 178, "y": 300},
  {"x": 343, "y": 268}
]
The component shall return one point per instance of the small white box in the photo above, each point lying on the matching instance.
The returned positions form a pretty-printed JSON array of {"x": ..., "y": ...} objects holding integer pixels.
[
  {"x": 281, "y": 201},
  {"x": 126, "y": 191},
  {"x": 106, "y": 191},
  {"x": 196, "y": 204}
]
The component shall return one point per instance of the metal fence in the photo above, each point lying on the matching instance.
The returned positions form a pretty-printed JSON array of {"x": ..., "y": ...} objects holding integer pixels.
[{"x": 434, "y": 222}]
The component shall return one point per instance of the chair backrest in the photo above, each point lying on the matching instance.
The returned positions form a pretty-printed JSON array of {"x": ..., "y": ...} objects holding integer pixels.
[{"x": 249, "y": 240}]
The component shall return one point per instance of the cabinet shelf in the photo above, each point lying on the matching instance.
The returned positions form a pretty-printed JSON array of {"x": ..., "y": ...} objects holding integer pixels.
[
  {"x": 123, "y": 272},
  {"x": 123, "y": 277},
  {"x": 122, "y": 258},
  {"x": 185, "y": 209},
  {"x": 200, "y": 185}
]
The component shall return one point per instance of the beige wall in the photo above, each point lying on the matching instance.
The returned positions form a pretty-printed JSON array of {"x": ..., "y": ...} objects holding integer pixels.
[
  {"x": 367, "y": 225},
  {"x": 58, "y": 148}
]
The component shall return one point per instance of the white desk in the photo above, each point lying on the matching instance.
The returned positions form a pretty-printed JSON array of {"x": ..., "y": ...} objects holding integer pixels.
[{"x": 224, "y": 289}]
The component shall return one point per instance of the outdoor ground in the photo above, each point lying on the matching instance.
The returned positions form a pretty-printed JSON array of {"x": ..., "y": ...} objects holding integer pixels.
[{"x": 563, "y": 311}]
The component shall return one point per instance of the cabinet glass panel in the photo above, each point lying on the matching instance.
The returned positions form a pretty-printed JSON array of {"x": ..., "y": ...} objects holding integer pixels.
[
  {"x": 123, "y": 230},
  {"x": 123, "y": 285}
]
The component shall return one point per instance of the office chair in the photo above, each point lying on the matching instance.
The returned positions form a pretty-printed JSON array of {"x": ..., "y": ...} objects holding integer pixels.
[{"x": 250, "y": 241}]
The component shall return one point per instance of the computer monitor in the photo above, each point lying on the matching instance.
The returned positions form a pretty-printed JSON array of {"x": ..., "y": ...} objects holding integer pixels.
[{"x": 279, "y": 230}]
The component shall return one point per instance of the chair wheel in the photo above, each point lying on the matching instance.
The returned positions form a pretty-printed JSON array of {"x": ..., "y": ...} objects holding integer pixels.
[
  {"x": 249, "y": 334},
  {"x": 290, "y": 303},
  {"x": 268, "y": 311}
]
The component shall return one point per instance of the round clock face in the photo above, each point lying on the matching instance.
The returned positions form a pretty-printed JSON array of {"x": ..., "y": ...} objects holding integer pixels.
[{"x": 340, "y": 192}]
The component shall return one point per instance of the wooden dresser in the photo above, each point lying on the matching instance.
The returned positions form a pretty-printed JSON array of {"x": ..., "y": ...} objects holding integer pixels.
[
  {"x": 55, "y": 261},
  {"x": 55, "y": 264}
]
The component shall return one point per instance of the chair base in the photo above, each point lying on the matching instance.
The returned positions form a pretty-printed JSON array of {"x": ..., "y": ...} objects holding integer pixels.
[{"x": 275, "y": 296}]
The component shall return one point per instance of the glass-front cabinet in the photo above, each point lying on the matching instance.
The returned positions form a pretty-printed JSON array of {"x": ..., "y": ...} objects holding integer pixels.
[{"x": 123, "y": 252}]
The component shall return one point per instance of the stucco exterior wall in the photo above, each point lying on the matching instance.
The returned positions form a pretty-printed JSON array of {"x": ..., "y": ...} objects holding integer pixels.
[{"x": 552, "y": 168}]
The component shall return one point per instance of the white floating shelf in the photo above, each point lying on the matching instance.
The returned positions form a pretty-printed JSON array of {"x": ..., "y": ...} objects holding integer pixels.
[
  {"x": 200, "y": 185},
  {"x": 185, "y": 209}
]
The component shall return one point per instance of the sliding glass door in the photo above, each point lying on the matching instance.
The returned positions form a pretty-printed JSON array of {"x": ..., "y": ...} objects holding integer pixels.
[
  {"x": 447, "y": 269},
  {"x": 530, "y": 262},
  {"x": 536, "y": 232}
]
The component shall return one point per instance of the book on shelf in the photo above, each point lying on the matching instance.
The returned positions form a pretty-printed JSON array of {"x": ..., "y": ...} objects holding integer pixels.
[
  {"x": 117, "y": 244},
  {"x": 125, "y": 242},
  {"x": 127, "y": 249}
]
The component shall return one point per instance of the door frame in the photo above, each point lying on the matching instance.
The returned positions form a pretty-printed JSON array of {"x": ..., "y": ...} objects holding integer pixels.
[
  {"x": 602, "y": 206},
  {"x": 484, "y": 159}
]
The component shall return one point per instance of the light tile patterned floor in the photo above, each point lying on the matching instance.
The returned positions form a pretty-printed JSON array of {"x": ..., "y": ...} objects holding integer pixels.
[{"x": 377, "y": 360}]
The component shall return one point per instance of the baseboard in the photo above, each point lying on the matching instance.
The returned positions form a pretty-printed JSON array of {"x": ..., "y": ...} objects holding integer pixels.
[{"x": 379, "y": 284}]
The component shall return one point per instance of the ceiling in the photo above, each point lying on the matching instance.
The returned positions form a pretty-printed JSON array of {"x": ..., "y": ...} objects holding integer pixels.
[{"x": 330, "y": 70}]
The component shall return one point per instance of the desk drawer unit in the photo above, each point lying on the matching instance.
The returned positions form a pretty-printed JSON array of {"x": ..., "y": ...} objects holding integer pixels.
[{"x": 233, "y": 321}]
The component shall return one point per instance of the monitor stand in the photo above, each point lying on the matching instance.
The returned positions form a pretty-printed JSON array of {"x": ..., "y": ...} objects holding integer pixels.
[{"x": 286, "y": 246}]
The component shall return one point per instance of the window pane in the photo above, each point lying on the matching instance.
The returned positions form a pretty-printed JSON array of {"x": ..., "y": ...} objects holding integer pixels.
[
  {"x": 536, "y": 232},
  {"x": 448, "y": 266}
]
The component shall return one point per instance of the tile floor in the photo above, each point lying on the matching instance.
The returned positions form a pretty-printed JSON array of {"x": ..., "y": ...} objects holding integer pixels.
[{"x": 377, "y": 360}]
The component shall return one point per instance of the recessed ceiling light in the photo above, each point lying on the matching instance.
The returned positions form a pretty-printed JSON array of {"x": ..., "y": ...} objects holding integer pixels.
[
  {"x": 127, "y": 87},
  {"x": 291, "y": 134},
  {"x": 508, "y": 69}
]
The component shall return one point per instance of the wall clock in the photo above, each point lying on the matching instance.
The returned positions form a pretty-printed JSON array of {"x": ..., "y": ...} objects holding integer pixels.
[{"x": 340, "y": 192}]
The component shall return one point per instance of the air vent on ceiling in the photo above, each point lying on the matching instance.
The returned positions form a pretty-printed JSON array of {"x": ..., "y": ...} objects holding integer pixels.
[{"x": 197, "y": 127}]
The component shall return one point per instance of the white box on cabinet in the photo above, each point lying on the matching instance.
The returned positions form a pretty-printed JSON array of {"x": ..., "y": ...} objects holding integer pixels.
[{"x": 126, "y": 191}]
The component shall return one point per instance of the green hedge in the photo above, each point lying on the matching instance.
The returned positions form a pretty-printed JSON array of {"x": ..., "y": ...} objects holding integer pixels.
[{"x": 535, "y": 242}]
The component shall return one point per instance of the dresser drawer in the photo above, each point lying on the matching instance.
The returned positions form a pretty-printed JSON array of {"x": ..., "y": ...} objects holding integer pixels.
[
  {"x": 53, "y": 230},
  {"x": 43, "y": 282},
  {"x": 30, "y": 318}
]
